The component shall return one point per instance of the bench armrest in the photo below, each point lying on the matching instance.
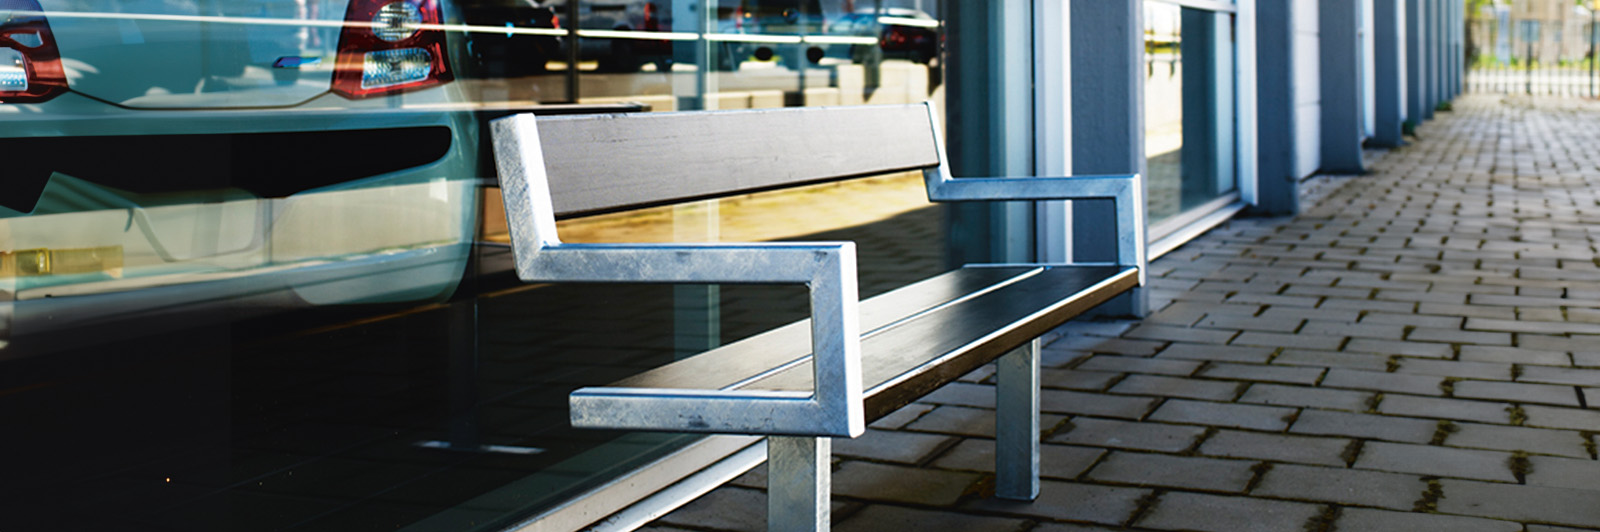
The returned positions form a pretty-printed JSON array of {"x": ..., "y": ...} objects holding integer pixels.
[
  {"x": 1125, "y": 191},
  {"x": 835, "y": 406}
]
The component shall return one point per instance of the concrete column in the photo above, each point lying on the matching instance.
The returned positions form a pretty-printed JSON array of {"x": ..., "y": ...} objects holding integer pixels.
[
  {"x": 1341, "y": 86},
  {"x": 1418, "y": 108},
  {"x": 1278, "y": 185},
  {"x": 1389, "y": 76},
  {"x": 989, "y": 112},
  {"x": 1107, "y": 41}
]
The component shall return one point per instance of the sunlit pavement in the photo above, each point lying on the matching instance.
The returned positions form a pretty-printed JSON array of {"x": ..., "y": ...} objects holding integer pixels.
[{"x": 1419, "y": 350}]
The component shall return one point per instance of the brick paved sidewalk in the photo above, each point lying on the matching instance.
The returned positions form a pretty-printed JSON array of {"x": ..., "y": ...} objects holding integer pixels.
[{"x": 1418, "y": 351}]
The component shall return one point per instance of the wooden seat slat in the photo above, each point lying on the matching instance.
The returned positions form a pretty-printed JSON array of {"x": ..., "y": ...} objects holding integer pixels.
[
  {"x": 749, "y": 358},
  {"x": 911, "y": 359}
]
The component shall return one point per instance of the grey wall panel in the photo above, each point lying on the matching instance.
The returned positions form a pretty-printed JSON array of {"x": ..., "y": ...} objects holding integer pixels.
[
  {"x": 1306, "y": 46},
  {"x": 1342, "y": 87}
]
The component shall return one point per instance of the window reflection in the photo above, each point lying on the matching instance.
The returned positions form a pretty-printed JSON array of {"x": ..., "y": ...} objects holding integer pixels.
[
  {"x": 1189, "y": 115},
  {"x": 249, "y": 268}
]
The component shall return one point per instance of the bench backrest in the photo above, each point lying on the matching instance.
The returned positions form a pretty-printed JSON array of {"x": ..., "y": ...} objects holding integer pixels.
[{"x": 604, "y": 163}]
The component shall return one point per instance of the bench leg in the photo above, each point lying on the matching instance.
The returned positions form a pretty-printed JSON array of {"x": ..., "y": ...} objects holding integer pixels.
[
  {"x": 1016, "y": 438},
  {"x": 798, "y": 483}
]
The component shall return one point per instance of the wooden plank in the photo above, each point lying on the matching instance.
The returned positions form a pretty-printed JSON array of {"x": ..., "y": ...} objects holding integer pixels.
[
  {"x": 602, "y": 163},
  {"x": 754, "y": 356}
]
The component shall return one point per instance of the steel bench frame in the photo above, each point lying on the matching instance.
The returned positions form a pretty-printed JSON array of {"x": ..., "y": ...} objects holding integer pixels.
[{"x": 798, "y": 424}]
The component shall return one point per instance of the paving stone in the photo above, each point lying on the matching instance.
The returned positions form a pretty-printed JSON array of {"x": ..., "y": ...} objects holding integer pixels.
[
  {"x": 1276, "y": 447},
  {"x": 1076, "y": 379},
  {"x": 1064, "y": 462},
  {"x": 1435, "y": 460},
  {"x": 1071, "y": 501},
  {"x": 1368, "y": 520},
  {"x": 1457, "y": 336},
  {"x": 1129, "y": 435},
  {"x": 1466, "y": 311},
  {"x": 1390, "y": 428},
  {"x": 1339, "y": 485},
  {"x": 900, "y": 418},
  {"x": 1383, "y": 382},
  {"x": 1574, "y": 343},
  {"x": 1118, "y": 346},
  {"x": 1563, "y": 418},
  {"x": 1064, "y": 527},
  {"x": 1415, "y": 320},
  {"x": 1329, "y": 291},
  {"x": 1065, "y": 402},
  {"x": 1387, "y": 347},
  {"x": 1367, "y": 305},
  {"x": 1517, "y": 392},
  {"x": 964, "y": 394},
  {"x": 1360, "y": 330},
  {"x": 875, "y": 518},
  {"x": 1298, "y": 341},
  {"x": 1521, "y": 503},
  {"x": 1197, "y": 511},
  {"x": 1255, "y": 372},
  {"x": 1583, "y": 474},
  {"x": 1158, "y": 366},
  {"x": 891, "y": 446},
  {"x": 1451, "y": 368},
  {"x": 1442, "y": 408},
  {"x": 1249, "y": 323},
  {"x": 1279, "y": 395},
  {"x": 1325, "y": 313},
  {"x": 726, "y": 508},
  {"x": 1444, "y": 297},
  {"x": 1177, "y": 387},
  {"x": 892, "y": 483},
  {"x": 1538, "y": 441},
  {"x": 1169, "y": 333},
  {"x": 1274, "y": 300},
  {"x": 1330, "y": 359},
  {"x": 1555, "y": 375},
  {"x": 1520, "y": 326},
  {"x": 1143, "y": 469},
  {"x": 1586, "y": 359},
  {"x": 1546, "y": 528},
  {"x": 1514, "y": 355},
  {"x": 1216, "y": 352},
  {"x": 1224, "y": 414},
  {"x": 967, "y": 421}
]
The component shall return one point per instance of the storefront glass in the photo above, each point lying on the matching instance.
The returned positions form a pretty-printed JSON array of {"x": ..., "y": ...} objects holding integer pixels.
[
  {"x": 254, "y": 273},
  {"x": 1189, "y": 100}
]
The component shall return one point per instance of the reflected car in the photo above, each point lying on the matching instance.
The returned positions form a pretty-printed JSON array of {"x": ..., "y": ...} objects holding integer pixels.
[
  {"x": 625, "y": 45},
  {"x": 172, "y": 163},
  {"x": 902, "y": 33},
  {"x": 509, "y": 54},
  {"x": 895, "y": 33}
]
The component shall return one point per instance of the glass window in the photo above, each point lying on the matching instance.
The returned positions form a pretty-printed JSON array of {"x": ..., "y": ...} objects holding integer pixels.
[
  {"x": 253, "y": 266},
  {"x": 1189, "y": 115}
]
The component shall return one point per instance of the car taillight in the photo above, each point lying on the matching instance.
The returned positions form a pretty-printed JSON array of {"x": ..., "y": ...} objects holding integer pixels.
[
  {"x": 30, "y": 63},
  {"x": 894, "y": 38},
  {"x": 382, "y": 51}
]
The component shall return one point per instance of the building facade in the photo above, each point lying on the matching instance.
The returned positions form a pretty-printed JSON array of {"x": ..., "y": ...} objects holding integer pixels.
[{"x": 254, "y": 272}]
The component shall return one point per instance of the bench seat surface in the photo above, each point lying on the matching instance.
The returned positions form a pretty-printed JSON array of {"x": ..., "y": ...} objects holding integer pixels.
[{"x": 915, "y": 338}]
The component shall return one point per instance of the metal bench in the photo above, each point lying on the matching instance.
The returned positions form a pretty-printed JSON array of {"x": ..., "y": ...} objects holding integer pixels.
[{"x": 852, "y": 361}]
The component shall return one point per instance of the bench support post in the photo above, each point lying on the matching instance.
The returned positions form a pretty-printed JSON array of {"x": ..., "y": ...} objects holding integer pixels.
[
  {"x": 1016, "y": 453},
  {"x": 798, "y": 483}
]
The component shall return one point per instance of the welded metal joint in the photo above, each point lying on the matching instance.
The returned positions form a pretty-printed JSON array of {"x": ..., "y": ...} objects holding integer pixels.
[{"x": 833, "y": 408}]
